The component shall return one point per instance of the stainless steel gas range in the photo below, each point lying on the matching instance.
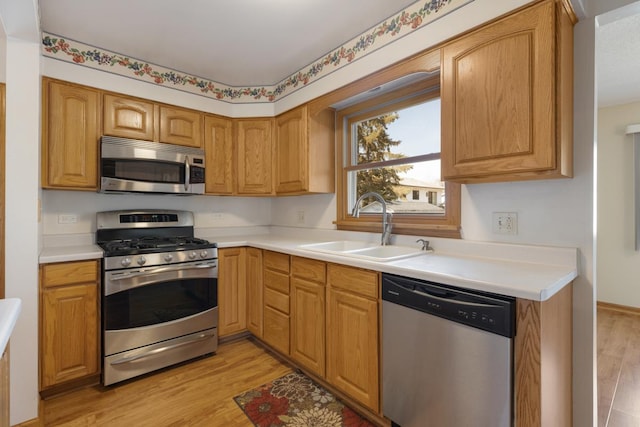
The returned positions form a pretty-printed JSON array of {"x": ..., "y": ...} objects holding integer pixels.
[{"x": 160, "y": 286}]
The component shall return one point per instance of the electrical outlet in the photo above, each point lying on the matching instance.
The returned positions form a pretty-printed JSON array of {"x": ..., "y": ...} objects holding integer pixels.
[
  {"x": 67, "y": 219},
  {"x": 505, "y": 223},
  {"x": 300, "y": 217}
]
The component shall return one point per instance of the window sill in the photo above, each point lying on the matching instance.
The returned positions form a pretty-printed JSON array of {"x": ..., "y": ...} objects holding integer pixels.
[{"x": 416, "y": 229}]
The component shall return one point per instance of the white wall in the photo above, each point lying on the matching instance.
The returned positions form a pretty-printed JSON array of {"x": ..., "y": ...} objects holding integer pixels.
[
  {"x": 209, "y": 211},
  {"x": 22, "y": 228},
  {"x": 618, "y": 262}
]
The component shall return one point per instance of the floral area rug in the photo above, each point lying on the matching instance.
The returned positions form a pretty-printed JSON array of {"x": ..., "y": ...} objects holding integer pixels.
[{"x": 296, "y": 401}]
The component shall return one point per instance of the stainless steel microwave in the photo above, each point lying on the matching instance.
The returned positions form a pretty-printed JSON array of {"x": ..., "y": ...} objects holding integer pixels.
[{"x": 129, "y": 165}]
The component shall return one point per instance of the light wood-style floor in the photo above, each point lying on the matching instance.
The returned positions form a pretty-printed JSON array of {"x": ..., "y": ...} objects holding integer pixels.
[
  {"x": 199, "y": 393},
  {"x": 618, "y": 368}
]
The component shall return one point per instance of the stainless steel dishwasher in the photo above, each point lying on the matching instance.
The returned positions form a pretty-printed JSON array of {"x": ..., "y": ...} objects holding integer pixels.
[{"x": 447, "y": 355}]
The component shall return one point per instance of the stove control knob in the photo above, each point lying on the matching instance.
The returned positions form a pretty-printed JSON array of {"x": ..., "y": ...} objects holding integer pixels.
[
  {"x": 141, "y": 260},
  {"x": 126, "y": 262},
  {"x": 168, "y": 257},
  {"x": 192, "y": 255},
  {"x": 204, "y": 254}
]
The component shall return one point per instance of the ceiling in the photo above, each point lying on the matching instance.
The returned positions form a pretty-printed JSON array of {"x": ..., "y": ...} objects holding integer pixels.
[
  {"x": 234, "y": 42},
  {"x": 618, "y": 57},
  {"x": 262, "y": 42}
]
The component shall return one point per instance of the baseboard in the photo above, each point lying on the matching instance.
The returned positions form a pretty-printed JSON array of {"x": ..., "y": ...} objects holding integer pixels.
[{"x": 617, "y": 307}]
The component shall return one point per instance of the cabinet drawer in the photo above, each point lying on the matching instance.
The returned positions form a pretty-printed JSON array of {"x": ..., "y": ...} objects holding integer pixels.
[
  {"x": 276, "y": 261},
  {"x": 68, "y": 273},
  {"x": 304, "y": 268},
  {"x": 362, "y": 282},
  {"x": 276, "y": 300},
  {"x": 276, "y": 281},
  {"x": 276, "y": 330}
]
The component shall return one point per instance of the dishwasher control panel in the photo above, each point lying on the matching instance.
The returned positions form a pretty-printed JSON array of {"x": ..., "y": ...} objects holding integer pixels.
[{"x": 490, "y": 312}]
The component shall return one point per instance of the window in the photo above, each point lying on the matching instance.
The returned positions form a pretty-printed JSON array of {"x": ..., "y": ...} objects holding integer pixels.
[{"x": 391, "y": 145}]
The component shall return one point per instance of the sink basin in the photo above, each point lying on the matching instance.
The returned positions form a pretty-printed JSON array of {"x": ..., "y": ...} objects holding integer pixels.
[
  {"x": 364, "y": 250},
  {"x": 339, "y": 246},
  {"x": 387, "y": 253}
]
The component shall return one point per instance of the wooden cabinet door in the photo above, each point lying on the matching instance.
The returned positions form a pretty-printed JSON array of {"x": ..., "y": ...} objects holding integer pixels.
[
  {"x": 69, "y": 333},
  {"x": 254, "y": 156},
  {"x": 254, "y": 291},
  {"x": 70, "y": 136},
  {"x": 232, "y": 289},
  {"x": 218, "y": 148},
  {"x": 307, "y": 324},
  {"x": 69, "y": 323},
  {"x": 499, "y": 99},
  {"x": 180, "y": 126},
  {"x": 128, "y": 117},
  {"x": 305, "y": 151},
  {"x": 353, "y": 336},
  {"x": 308, "y": 279},
  {"x": 292, "y": 152}
]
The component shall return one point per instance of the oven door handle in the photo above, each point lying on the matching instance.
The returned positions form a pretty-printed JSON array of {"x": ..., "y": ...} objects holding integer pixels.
[
  {"x": 158, "y": 270},
  {"x": 130, "y": 359}
]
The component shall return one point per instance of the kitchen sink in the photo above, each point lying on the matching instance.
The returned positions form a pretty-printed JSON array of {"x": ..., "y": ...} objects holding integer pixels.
[
  {"x": 387, "y": 253},
  {"x": 339, "y": 246},
  {"x": 364, "y": 250}
]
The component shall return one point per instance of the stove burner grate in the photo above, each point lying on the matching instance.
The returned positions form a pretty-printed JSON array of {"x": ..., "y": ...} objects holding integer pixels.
[{"x": 153, "y": 244}]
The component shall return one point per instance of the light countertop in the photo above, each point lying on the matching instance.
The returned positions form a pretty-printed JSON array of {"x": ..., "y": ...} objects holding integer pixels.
[
  {"x": 522, "y": 271},
  {"x": 9, "y": 311},
  {"x": 536, "y": 281},
  {"x": 70, "y": 253}
]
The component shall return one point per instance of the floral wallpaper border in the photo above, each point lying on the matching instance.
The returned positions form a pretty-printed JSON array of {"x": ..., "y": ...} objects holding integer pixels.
[{"x": 415, "y": 16}]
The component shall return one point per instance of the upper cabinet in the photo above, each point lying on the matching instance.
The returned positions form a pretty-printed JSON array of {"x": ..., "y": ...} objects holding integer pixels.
[
  {"x": 70, "y": 134},
  {"x": 507, "y": 99},
  {"x": 129, "y": 117},
  {"x": 254, "y": 142},
  {"x": 305, "y": 161},
  {"x": 218, "y": 148},
  {"x": 180, "y": 126}
]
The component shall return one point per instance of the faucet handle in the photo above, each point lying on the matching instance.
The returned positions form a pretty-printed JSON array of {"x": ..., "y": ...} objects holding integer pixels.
[{"x": 425, "y": 244}]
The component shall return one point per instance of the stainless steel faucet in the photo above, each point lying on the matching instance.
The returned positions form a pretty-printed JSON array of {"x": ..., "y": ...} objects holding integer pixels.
[{"x": 386, "y": 221}]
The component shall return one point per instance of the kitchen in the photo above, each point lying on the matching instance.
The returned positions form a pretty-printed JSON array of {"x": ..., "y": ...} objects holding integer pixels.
[{"x": 570, "y": 198}]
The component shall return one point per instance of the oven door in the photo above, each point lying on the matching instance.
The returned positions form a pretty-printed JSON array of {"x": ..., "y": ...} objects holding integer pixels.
[{"x": 148, "y": 305}]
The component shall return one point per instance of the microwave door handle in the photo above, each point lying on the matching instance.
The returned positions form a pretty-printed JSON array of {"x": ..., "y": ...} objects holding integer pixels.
[{"x": 187, "y": 173}]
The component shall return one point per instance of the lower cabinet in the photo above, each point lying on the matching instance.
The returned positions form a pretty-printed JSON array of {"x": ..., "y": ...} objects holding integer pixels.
[
  {"x": 326, "y": 318},
  {"x": 353, "y": 361},
  {"x": 254, "y": 292},
  {"x": 69, "y": 322},
  {"x": 308, "y": 279},
  {"x": 232, "y": 288},
  {"x": 276, "y": 300}
]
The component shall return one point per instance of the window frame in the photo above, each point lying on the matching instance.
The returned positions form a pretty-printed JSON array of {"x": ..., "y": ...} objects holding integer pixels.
[{"x": 447, "y": 225}]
